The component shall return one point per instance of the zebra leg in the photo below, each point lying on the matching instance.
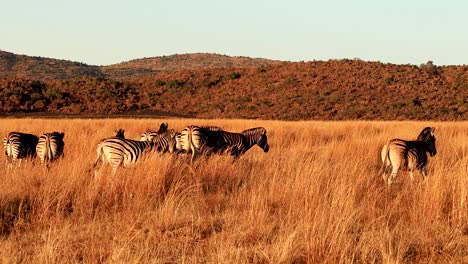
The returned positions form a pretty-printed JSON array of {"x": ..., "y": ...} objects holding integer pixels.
[
  {"x": 424, "y": 172},
  {"x": 394, "y": 174},
  {"x": 411, "y": 174},
  {"x": 385, "y": 173}
]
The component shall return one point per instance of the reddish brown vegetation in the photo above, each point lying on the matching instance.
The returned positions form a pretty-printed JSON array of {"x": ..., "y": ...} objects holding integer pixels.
[{"x": 335, "y": 89}]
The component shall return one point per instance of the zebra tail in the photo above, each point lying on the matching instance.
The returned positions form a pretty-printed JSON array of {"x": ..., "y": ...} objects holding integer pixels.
[
  {"x": 192, "y": 145},
  {"x": 49, "y": 156},
  {"x": 387, "y": 153},
  {"x": 99, "y": 152},
  {"x": 9, "y": 150}
]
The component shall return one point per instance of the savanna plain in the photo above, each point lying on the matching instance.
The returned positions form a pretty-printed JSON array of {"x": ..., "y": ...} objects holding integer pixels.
[{"x": 316, "y": 197}]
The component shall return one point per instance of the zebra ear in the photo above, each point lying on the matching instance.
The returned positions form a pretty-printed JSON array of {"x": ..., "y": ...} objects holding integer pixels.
[
  {"x": 62, "y": 134},
  {"x": 432, "y": 131},
  {"x": 163, "y": 127},
  {"x": 263, "y": 131}
]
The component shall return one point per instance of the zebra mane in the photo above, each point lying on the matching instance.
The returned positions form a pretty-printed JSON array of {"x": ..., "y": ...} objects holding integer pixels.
[
  {"x": 212, "y": 128},
  {"x": 426, "y": 134},
  {"x": 256, "y": 130}
]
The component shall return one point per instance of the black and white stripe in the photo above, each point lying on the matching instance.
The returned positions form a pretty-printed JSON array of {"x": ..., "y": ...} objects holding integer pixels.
[
  {"x": 236, "y": 144},
  {"x": 19, "y": 146},
  {"x": 408, "y": 155},
  {"x": 209, "y": 140},
  {"x": 167, "y": 142},
  {"x": 152, "y": 135},
  {"x": 194, "y": 140},
  {"x": 118, "y": 152},
  {"x": 50, "y": 147}
]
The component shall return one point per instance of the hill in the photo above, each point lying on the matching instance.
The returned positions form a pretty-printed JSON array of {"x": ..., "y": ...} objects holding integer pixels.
[
  {"x": 40, "y": 68},
  {"x": 154, "y": 65},
  {"x": 320, "y": 90}
]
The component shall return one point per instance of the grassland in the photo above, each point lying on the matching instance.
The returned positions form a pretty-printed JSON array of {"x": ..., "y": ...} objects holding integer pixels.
[{"x": 316, "y": 197}]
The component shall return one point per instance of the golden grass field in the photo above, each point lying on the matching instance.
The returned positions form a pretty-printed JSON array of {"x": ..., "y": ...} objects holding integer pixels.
[{"x": 316, "y": 197}]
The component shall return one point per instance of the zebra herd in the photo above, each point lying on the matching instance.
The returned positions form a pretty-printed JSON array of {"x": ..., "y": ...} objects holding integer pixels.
[
  {"x": 198, "y": 140},
  {"x": 202, "y": 140},
  {"x": 19, "y": 146}
]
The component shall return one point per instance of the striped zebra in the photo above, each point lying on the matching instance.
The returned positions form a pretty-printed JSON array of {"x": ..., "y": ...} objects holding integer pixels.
[
  {"x": 50, "y": 147},
  {"x": 151, "y": 135},
  {"x": 19, "y": 146},
  {"x": 169, "y": 141},
  {"x": 194, "y": 140},
  {"x": 118, "y": 151},
  {"x": 408, "y": 155},
  {"x": 236, "y": 144},
  {"x": 209, "y": 140}
]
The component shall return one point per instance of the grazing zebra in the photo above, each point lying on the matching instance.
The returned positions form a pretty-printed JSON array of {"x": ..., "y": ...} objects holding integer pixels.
[
  {"x": 19, "y": 146},
  {"x": 409, "y": 155},
  {"x": 50, "y": 147},
  {"x": 118, "y": 151},
  {"x": 236, "y": 144}
]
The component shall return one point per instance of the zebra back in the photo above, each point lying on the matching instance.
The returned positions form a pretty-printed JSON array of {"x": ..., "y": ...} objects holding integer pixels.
[
  {"x": 122, "y": 152},
  {"x": 152, "y": 135},
  {"x": 20, "y": 145},
  {"x": 50, "y": 147}
]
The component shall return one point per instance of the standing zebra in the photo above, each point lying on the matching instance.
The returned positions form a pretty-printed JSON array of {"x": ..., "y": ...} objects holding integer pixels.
[
  {"x": 118, "y": 151},
  {"x": 50, "y": 147},
  {"x": 236, "y": 144},
  {"x": 19, "y": 146},
  {"x": 409, "y": 155},
  {"x": 194, "y": 139},
  {"x": 149, "y": 135},
  {"x": 215, "y": 140},
  {"x": 166, "y": 142}
]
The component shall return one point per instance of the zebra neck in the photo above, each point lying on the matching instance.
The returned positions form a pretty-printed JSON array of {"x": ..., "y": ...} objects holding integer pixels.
[{"x": 250, "y": 142}]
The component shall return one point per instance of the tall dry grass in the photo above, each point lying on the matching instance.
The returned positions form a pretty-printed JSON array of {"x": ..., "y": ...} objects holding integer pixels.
[{"x": 316, "y": 197}]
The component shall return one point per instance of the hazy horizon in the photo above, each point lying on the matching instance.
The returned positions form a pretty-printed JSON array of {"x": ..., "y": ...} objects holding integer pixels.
[{"x": 108, "y": 32}]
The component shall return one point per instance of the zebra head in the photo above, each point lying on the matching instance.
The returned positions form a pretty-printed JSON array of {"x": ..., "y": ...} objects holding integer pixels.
[
  {"x": 426, "y": 133},
  {"x": 163, "y": 128},
  {"x": 59, "y": 134},
  {"x": 427, "y": 136},
  {"x": 258, "y": 135},
  {"x": 120, "y": 133}
]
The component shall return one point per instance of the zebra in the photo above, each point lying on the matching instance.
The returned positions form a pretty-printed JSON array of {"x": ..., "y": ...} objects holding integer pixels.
[
  {"x": 19, "y": 146},
  {"x": 168, "y": 141},
  {"x": 118, "y": 151},
  {"x": 50, "y": 147},
  {"x": 194, "y": 139},
  {"x": 409, "y": 155},
  {"x": 236, "y": 144},
  {"x": 149, "y": 135},
  {"x": 209, "y": 140}
]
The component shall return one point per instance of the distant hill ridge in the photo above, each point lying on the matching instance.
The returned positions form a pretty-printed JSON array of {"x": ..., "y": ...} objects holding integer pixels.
[
  {"x": 41, "y": 68},
  {"x": 219, "y": 86}
]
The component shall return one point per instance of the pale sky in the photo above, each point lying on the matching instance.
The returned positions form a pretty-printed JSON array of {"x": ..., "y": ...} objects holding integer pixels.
[{"x": 102, "y": 32}]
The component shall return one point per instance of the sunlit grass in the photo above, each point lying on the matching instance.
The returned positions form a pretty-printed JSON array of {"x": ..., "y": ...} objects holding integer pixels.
[{"x": 317, "y": 196}]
